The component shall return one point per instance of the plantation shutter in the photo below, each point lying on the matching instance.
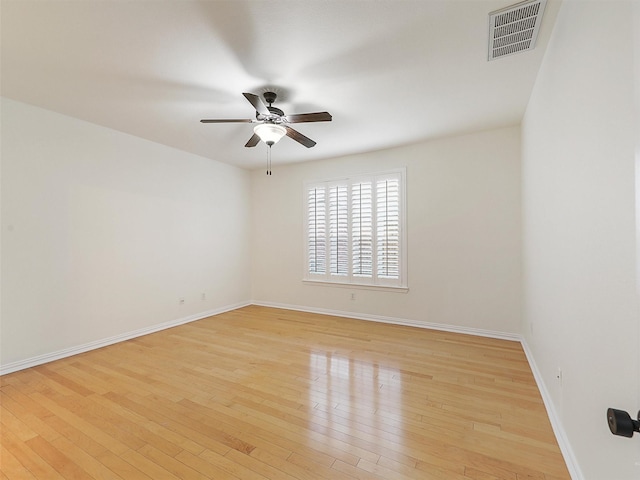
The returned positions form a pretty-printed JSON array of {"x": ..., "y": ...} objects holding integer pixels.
[
  {"x": 339, "y": 230},
  {"x": 388, "y": 228},
  {"x": 354, "y": 230},
  {"x": 362, "y": 229},
  {"x": 316, "y": 231}
]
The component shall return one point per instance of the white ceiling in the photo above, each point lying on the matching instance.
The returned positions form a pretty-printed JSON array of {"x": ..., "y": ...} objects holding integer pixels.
[{"x": 390, "y": 72}]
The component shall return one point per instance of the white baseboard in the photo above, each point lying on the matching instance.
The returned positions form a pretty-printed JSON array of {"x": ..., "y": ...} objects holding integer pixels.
[
  {"x": 397, "y": 321},
  {"x": 556, "y": 424},
  {"x": 554, "y": 418},
  {"x": 68, "y": 352}
]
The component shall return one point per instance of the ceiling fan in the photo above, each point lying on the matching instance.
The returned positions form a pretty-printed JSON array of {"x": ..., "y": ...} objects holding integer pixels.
[{"x": 273, "y": 124}]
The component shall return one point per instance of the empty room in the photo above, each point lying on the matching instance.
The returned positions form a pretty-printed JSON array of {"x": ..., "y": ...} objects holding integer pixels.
[{"x": 320, "y": 239}]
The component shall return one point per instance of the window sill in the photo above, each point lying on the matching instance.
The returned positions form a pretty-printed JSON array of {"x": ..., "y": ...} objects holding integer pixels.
[{"x": 359, "y": 286}]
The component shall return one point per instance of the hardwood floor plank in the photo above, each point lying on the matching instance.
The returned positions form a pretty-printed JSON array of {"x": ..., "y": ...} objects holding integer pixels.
[
  {"x": 20, "y": 404},
  {"x": 284, "y": 465},
  {"x": 59, "y": 378},
  {"x": 157, "y": 435},
  {"x": 263, "y": 394},
  {"x": 209, "y": 470},
  {"x": 232, "y": 467},
  {"x": 76, "y": 420},
  {"x": 121, "y": 467},
  {"x": 32, "y": 462},
  {"x": 38, "y": 424},
  {"x": 76, "y": 436},
  {"x": 354, "y": 472},
  {"x": 11, "y": 423},
  {"x": 384, "y": 472},
  {"x": 174, "y": 420},
  {"x": 12, "y": 467},
  {"x": 257, "y": 466},
  {"x": 136, "y": 425},
  {"x": 148, "y": 466},
  {"x": 315, "y": 435},
  {"x": 320, "y": 453},
  {"x": 93, "y": 467},
  {"x": 57, "y": 460},
  {"x": 170, "y": 464},
  {"x": 237, "y": 427}
]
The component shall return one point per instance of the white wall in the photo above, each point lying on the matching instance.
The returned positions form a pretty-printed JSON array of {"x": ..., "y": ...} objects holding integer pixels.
[
  {"x": 463, "y": 233},
  {"x": 103, "y": 232},
  {"x": 579, "y": 245}
]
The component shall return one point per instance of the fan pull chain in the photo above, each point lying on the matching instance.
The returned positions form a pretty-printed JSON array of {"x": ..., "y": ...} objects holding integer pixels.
[{"x": 269, "y": 160}]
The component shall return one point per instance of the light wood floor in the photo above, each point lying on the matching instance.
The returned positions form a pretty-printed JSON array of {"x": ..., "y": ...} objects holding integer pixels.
[{"x": 264, "y": 393}]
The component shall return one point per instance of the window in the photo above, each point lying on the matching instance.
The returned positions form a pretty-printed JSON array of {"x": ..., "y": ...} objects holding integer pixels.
[{"x": 354, "y": 230}]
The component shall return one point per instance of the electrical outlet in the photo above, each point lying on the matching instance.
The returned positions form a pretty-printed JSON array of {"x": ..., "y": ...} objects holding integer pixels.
[
  {"x": 353, "y": 296},
  {"x": 181, "y": 301},
  {"x": 203, "y": 297}
]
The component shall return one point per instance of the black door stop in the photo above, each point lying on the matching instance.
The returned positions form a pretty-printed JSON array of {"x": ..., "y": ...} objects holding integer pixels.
[{"x": 621, "y": 423}]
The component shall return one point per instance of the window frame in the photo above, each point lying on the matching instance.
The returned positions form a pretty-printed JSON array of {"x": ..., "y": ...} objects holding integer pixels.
[{"x": 349, "y": 279}]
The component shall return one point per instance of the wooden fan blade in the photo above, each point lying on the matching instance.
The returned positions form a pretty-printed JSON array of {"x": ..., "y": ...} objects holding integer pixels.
[
  {"x": 308, "y": 117},
  {"x": 257, "y": 103},
  {"x": 226, "y": 120},
  {"x": 253, "y": 141},
  {"x": 300, "y": 138}
]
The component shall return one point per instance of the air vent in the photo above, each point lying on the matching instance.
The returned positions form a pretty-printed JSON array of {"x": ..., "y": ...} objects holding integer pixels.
[{"x": 514, "y": 29}]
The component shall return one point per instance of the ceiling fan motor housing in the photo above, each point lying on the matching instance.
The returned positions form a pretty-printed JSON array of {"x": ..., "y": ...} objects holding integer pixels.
[{"x": 270, "y": 97}]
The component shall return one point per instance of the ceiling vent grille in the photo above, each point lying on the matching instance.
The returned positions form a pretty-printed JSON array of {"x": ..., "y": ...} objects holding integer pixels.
[{"x": 514, "y": 29}]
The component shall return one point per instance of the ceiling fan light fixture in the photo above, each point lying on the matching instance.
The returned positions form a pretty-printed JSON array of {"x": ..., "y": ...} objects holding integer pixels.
[{"x": 270, "y": 133}]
